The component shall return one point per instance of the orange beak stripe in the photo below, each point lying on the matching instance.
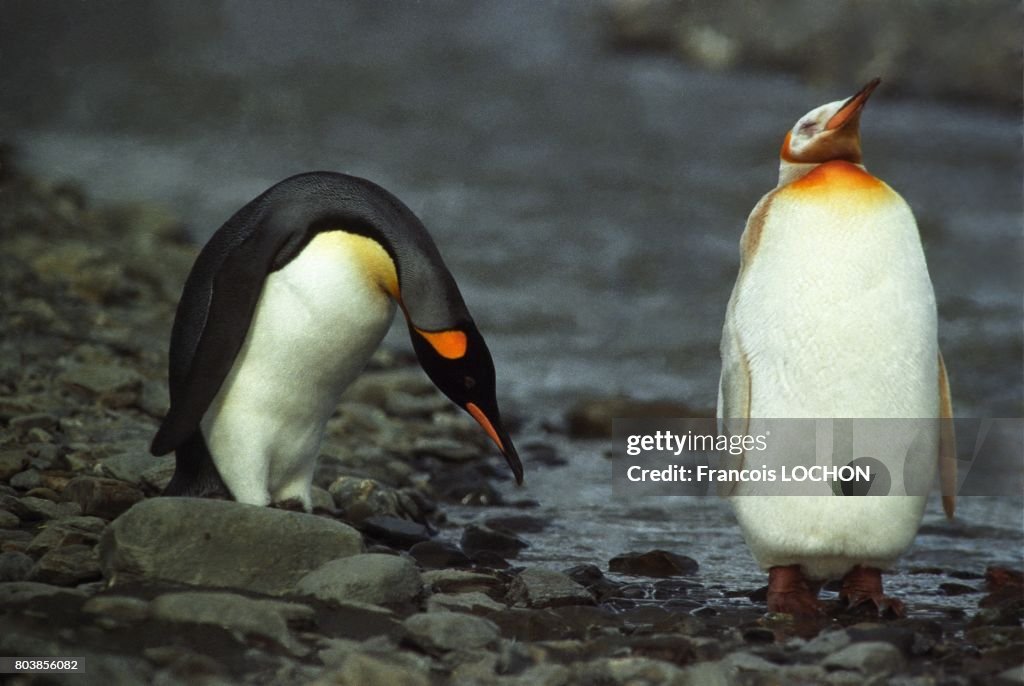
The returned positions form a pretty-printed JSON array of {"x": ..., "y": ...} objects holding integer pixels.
[
  {"x": 450, "y": 345},
  {"x": 852, "y": 106},
  {"x": 482, "y": 419}
]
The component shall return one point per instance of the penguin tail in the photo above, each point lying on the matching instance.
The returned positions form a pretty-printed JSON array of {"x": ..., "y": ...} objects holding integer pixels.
[{"x": 195, "y": 474}]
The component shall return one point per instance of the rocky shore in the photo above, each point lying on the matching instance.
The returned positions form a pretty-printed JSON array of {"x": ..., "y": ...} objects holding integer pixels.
[{"x": 376, "y": 586}]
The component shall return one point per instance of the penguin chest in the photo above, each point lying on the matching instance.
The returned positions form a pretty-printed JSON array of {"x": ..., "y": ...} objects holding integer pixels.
[
  {"x": 316, "y": 324},
  {"x": 836, "y": 311}
]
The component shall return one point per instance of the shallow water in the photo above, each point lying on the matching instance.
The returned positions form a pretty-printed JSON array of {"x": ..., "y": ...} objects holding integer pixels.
[{"x": 589, "y": 204}]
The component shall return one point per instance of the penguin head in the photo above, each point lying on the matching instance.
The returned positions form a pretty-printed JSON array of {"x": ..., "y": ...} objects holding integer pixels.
[
  {"x": 458, "y": 362},
  {"x": 830, "y": 132}
]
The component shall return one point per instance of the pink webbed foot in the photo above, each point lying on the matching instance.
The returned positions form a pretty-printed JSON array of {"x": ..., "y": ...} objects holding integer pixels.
[
  {"x": 791, "y": 592},
  {"x": 863, "y": 585}
]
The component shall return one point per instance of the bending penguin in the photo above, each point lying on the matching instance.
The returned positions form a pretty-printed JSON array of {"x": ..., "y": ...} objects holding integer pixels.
[
  {"x": 833, "y": 316},
  {"x": 281, "y": 311}
]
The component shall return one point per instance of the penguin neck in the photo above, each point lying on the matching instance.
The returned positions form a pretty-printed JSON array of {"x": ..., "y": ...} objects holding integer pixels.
[{"x": 794, "y": 171}]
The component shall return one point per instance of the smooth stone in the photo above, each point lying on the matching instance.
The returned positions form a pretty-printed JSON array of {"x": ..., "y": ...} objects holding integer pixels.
[
  {"x": 540, "y": 588},
  {"x": 120, "y": 608},
  {"x": 445, "y": 449},
  {"x": 655, "y": 563},
  {"x": 71, "y": 564},
  {"x": 221, "y": 543},
  {"x": 67, "y": 531},
  {"x": 446, "y": 631},
  {"x": 8, "y": 520},
  {"x": 473, "y": 602},
  {"x": 477, "y": 539},
  {"x": 395, "y": 531},
  {"x": 130, "y": 466},
  {"x": 26, "y": 480},
  {"x": 359, "y": 669},
  {"x": 439, "y": 554},
  {"x": 358, "y": 498},
  {"x": 15, "y": 566},
  {"x": 100, "y": 379},
  {"x": 519, "y": 524},
  {"x": 459, "y": 581},
  {"x": 826, "y": 643},
  {"x": 105, "y": 498},
  {"x": 13, "y": 592},
  {"x": 369, "y": 578},
  {"x": 869, "y": 657},
  {"x": 30, "y": 508},
  {"x": 244, "y": 616},
  {"x": 12, "y": 462}
]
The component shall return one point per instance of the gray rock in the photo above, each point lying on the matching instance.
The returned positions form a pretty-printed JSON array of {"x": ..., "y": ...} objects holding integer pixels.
[
  {"x": 360, "y": 498},
  {"x": 12, "y": 462},
  {"x": 359, "y": 669},
  {"x": 868, "y": 657},
  {"x": 539, "y": 588},
  {"x": 445, "y": 631},
  {"x": 473, "y": 602},
  {"x": 33, "y": 509},
  {"x": 67, "y": 531},
  {"x": 100, "y": 379},
  {"x": 8, "y": 520},
  {"x": 221, "y": 543},
  {"x": 14, "y": 566},
  {"x": 130, "y": 466},
  {"x": 26, "y": 480},
  {"x": 1014, "y": 676},
  {"x": 14, "y": 592},
  {"x": 459, "y": 581},
  {"x": 369, "y": 578},
  {"x": 238, "y": 614},
  {"x": 118, "y": 608},
  {"x": 826, "y": 643},
  {"x": 72, "y": 564},
  {"x": 106, "y": 498},
  {"x": 36, "y": 420}
]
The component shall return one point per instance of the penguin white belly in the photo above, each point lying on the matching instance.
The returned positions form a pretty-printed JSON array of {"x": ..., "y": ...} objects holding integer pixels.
[
  {"x": 317, "y": 322},
  {"x": 836, "y": 318}
]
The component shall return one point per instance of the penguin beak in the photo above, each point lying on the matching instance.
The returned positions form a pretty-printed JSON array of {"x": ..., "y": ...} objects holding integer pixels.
[
  {"x": 500, "y": 438},
  {"x": 851, "y": 108}
]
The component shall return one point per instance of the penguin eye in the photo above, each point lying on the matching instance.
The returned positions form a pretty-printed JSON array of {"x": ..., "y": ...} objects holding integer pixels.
[
  {"x": 469, "y": 382},
  {"x": 807, "y": 127}
]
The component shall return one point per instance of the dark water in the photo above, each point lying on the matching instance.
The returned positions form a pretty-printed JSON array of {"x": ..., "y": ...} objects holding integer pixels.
[{"x": 588, "y": 202}]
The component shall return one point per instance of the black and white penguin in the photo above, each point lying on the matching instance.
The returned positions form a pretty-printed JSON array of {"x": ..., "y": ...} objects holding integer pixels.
[{"x": 280, "y": 313}]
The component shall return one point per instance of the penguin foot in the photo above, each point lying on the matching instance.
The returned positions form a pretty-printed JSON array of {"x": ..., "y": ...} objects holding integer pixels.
[
  {"x": 863, "y": 585},
  {"x": 791, "y": 592},
  {"x": 290, "y": 504}
]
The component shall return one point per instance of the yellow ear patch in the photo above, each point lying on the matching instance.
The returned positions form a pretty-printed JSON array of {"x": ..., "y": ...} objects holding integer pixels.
[{"x": 450, "y": 345}]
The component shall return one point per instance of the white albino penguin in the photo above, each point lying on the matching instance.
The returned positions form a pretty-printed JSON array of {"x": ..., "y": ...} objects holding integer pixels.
[{"x": 832, "y": 316}]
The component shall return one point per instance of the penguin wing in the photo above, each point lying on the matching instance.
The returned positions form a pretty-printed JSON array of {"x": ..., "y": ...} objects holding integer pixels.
[
  {"x": 213, "y": 319},
  {"x": 947, "y": 443}
]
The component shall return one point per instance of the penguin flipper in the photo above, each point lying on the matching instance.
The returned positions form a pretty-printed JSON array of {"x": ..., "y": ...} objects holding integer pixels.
[
  {"x": 227, "y": 299},
  {"x": 947, "y": 443}
]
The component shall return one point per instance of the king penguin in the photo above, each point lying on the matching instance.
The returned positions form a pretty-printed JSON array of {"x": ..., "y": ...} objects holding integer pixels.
[
  {"x": 833, "y": 315},
  {"x": 279, "y": 314}
]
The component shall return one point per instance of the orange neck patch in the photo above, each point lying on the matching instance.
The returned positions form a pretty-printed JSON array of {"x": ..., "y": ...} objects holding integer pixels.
[
  {"x": 450, "y": 345},
  {"x": 836, "y": 175}
]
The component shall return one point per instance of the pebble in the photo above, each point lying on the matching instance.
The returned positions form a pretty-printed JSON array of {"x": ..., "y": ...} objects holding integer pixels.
[
  {"x": 106, "y": 498},
  {"x": 243, "y": 616},
  {"x": 67, "y": 565},
  {"x": 8, "y": 520},
  {"x": 15, "y": 566},
  {"x": 14, "y": 592},
  {"x": 655, "y": 563},
  {"x": 358, "y": 499},
  {"x": 439, "y": 554},
  {"x": 117, "y": 608},
  {"x": 446, "y": 631},
  {"x": 67, "y": 531},
  {"x": 459, "y": 581},
  {"x": 868, "y": 657},
  {"x": 12, "y": 462},
  {"x": 31, "y": 508},
  {"x": 221, "y": 543},
  {"x": 477, "y": 539},
  {"x": 130, "y": 466},
  {"x": 359, "y": 669},
  {"x": 539, "y": 588},
  {"x": 471, "y": 601},
  {"x": 369, "y": 578},
  {"x": 36, "y": 420},
  {"x": 400, "y": 533}
]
